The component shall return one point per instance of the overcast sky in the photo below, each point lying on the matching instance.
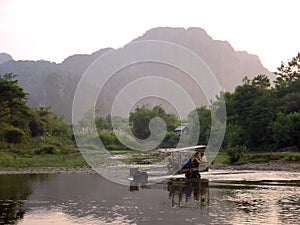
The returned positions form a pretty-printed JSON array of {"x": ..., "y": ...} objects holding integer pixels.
[{"x": 55, "y": 29}]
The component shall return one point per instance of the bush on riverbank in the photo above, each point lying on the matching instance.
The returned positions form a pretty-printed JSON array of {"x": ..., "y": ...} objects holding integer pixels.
[{"x": 235, "y": 153}]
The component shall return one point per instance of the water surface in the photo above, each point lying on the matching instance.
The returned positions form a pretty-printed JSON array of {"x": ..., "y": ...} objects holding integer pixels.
[{"x": 220, "y": 197}]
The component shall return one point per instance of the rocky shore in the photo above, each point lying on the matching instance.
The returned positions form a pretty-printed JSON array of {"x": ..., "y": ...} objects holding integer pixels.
[{"x": 49, "y": 170}]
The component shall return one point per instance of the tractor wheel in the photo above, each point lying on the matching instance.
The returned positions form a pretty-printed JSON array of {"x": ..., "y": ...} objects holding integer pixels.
[
  {"x": 188, "y": 175},
  {"x": 196, "y": 175}
]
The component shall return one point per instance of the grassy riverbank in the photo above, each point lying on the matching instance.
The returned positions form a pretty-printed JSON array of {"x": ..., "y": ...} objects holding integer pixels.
[
  {"x": 10, "y": 161},
  {"x": 262, "y": 157},
  {"x": 75, "y": 162},
  {"x": 276, "y": 161}
]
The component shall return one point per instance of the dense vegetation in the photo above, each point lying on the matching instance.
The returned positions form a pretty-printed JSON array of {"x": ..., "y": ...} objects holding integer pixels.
[
  {"x": 264, "y": 117},
  {"x": 138, "y": 124},
  {"x": 261, "y": 117},
  {"x": 27, "y": 130}
]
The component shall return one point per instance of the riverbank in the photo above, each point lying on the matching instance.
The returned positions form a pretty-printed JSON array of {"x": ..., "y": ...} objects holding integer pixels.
[
  {"x": 75, "y": 163},
  {"x": 270, "y": 166},
  {"x": 48, "y": 170}
]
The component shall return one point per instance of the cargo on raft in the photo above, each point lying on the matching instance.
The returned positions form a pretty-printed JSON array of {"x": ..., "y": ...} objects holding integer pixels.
[{"x": 184, "y": 161}]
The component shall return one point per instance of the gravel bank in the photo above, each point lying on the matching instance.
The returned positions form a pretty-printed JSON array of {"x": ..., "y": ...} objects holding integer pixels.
[{"x": 49, "y": 170}]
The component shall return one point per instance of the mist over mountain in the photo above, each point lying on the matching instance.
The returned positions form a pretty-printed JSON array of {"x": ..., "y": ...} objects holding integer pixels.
[{"x": 54, "y": 84}]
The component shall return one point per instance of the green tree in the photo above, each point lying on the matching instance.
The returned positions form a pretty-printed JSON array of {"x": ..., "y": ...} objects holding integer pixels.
[
  {"x": 100, "y": 123},
  {"x": 14, "y": 135},
  {"x": 286, "y": 130},
  {"x": 287, "y": 85},
  {"x": 250, "y": 110},
  {"x": 13, "y": 109},
  {"x": 46, "y": 122},
  {"x": 170, "y": 141},
  {"x": 37, "y": 125},
  {"x": 235, "y": 153},
  {"x": 290, "y": 102},
  {"x": 287, "y": 76},
  {"x": 140, "y": 120},
  {"x": 142, "y": 116},
  {"x": 203, "y": 115}
]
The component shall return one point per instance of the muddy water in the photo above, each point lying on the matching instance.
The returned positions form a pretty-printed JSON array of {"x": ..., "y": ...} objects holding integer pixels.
[{"x": 219, "y": 197}]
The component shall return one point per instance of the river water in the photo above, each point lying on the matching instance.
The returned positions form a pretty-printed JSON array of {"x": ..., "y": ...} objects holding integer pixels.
[{"x": 219, "y": 197}]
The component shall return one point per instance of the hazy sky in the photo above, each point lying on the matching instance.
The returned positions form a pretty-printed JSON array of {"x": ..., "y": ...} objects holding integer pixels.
[{"x": 55, "y": 29}]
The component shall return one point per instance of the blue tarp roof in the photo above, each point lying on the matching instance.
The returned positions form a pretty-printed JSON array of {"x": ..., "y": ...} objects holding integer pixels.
[{"x": 180, "y": 128}]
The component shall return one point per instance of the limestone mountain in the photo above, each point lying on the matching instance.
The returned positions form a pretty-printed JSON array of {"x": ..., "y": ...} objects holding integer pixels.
[
  {"x": 229, "y": 66},
  {"x": 54, "y": 84}
]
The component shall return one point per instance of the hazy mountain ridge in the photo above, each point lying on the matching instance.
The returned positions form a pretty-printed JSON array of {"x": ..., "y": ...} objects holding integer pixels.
[
  {"x": 54, "y": 84},
  {"x": 48, "y": 83},
  {"x": 229, "y": 66},
  {"x": 78, "y": 63},
  {"x": 4, "y": 57}
]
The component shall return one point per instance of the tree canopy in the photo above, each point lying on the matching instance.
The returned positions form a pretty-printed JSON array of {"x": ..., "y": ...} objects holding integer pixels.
[
  {"x": 141, "y": 117},
  {"x": 264, "y": 117},
  {"x": 13, "y": 108}
]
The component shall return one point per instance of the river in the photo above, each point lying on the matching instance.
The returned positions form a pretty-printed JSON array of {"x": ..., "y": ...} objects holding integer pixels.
[{"x": 219, "y": 197}]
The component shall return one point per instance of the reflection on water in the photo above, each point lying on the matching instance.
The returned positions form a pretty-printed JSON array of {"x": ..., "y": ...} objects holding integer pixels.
[
  {"x": 14, "y": 190},
  {"x": 221, "y": 197},
  {"x": 186, "y": 192},
  {"x": 182, "y": 192}
]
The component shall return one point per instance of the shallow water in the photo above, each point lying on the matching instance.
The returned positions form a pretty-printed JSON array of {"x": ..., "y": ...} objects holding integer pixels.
[{"x": 220, "y": 197}]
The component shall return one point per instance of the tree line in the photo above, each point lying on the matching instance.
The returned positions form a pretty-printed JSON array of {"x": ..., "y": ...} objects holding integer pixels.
[
  {"x": 261, "y": 116},
  {"x": 266, "y": 117}
]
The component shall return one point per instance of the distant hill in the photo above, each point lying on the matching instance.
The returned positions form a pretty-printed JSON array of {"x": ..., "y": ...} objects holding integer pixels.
[
  {"x": 229, "y": 66},
  {"x": 4, "y": 57},
  {"x": 52, "y": 84}
]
